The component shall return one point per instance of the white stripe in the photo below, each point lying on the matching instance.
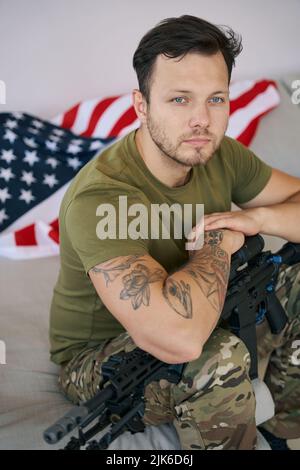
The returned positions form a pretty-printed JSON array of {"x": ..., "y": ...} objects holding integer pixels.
[
  {"x": 112, "y": 115},
  {"x": 84, "y": 115},
  {"x": 237, "y": 89},
  {"x": 241, "y": 118},
  {"x": 28, "y": 252},
  {"x": 7, "y": 240},
  {"x": 46, "y": 211},
  {"x": 41, "y": 234}
]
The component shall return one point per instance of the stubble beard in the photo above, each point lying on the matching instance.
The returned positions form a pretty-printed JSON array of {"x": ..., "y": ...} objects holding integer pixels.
[{"x": 200, "y": 155}]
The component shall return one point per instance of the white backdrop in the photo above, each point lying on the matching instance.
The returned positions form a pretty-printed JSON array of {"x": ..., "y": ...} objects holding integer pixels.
[{"x": 56, "y": 53}]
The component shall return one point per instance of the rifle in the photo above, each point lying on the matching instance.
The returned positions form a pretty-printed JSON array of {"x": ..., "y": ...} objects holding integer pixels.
[{"x": 249, "y": 300}]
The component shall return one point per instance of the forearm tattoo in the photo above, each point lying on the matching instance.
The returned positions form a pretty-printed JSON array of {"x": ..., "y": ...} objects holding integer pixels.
[
  {"x": 210, "y": 270},
  {"x": 209, "y": 267},
  {"x": 178, "y": 296}
]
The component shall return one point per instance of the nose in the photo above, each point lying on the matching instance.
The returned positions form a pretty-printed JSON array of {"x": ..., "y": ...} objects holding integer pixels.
[{"x": 200, "y": 117}]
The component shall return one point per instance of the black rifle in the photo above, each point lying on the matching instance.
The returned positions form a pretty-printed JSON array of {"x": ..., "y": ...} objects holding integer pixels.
[{"x": 250, "y": 298}]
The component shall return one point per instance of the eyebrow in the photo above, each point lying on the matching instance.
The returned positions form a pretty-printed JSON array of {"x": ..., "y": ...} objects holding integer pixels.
[{"x": 225, "y": 92}]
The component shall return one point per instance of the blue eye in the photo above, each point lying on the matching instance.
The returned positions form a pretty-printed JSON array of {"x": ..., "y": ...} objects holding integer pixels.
[
  {"x": 178, "y": 98},
  {"x": 218, "y": 98}
]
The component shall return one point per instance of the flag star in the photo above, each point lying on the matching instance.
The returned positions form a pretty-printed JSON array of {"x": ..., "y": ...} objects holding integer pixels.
[
  {"x": 51, "y": 145},
  {"x": 37, "y": 123},
  {"x": 53, "y": 162},
  {"x": 50, "y": 180},
  {"x": 30, "y": 142},
  {"x": 26, "y": 195},
  {"x": 31, "y": 157},
  {"x": 32, "y": 130},
  {"x": 58, "y": 132},
  {"x": 55, "y": 138},
  {"x": 10, "y": 135},
  {"x": 18, "y": 115},
  {"x": 8, "y": 156},
  {"x": 74, "y": 163},
  {"x": 95, "y": 145},
  {"x": 3, "y": 215},
  {"x": 6, "y": 173},
  {"x": 77, "y": 141},
  {"x": 28, "y": 177},
  {"x": 4, "y": 194},
  {"x": 11, "y": 124},
  {"x": 73, "y": 149}
]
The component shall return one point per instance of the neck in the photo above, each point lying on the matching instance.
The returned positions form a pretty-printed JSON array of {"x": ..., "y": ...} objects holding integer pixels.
[{"x": 166, "y": 170}]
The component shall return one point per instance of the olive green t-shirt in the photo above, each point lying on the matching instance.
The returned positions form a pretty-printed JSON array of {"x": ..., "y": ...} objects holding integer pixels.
[{"x": 78, "y": 318}]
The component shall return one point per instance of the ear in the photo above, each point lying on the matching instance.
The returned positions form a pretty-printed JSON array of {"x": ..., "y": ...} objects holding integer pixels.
[{"x": 140, "y": 105}]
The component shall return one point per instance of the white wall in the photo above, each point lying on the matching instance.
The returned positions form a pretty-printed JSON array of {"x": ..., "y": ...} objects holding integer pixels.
[{"x": 56, "y": 53}]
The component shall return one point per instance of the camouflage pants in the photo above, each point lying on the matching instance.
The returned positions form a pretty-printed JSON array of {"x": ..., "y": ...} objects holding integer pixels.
[{"x": 213, "y": 405}]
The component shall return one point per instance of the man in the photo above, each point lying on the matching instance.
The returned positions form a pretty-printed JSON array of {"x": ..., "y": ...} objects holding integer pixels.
[{"x": 116, "y": 292}]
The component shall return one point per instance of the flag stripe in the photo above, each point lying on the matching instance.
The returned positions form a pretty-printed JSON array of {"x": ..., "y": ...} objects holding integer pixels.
[
  {"x": 250, "y": 95},
  {"x": 125, "y": 120},
  {"x": 70, "y": 116},
  {"x": 26, "y": 236},
  {"x": 242, "y": 117},
  {"x": 84, "y": 114},
  {"x": 111, "y": 115},
  {"x": 237, "y": 89},
  {"x": 97, "y": 114}
]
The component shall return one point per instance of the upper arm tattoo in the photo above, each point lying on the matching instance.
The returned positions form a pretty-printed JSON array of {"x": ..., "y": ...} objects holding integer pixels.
[
  {"x": 112, "y": 268},
  {"x": 136, "y": 282},
  {"x": 136, "y": 285}
]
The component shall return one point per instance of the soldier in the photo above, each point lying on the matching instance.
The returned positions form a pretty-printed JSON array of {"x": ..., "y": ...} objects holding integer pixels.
[{"x": 115, "y": 293}]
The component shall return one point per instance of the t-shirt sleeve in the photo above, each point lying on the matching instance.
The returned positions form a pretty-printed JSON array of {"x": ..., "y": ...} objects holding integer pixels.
[
  {"x": 92, "y": 223},
  {"x": 251, "y": 174}
]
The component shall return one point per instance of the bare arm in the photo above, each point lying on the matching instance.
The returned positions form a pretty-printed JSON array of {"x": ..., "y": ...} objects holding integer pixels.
[
  {"x": 197, "y": 290},
  {"x": 169, "y": 316}
]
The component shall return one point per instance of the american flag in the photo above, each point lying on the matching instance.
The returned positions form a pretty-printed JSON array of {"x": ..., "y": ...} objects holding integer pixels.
[{"x": 38, "y": 158}]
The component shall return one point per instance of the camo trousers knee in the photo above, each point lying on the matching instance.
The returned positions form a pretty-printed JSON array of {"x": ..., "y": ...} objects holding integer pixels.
[
  {"x": 213, "y": 405},
  {"x": 214, "y": 402}
]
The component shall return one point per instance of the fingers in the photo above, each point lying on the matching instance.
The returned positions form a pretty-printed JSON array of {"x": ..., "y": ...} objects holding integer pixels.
[{"x": 215, "y": 221}]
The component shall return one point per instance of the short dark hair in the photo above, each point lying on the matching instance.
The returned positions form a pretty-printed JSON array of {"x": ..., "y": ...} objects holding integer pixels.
[{"x": 175, "y": 37}]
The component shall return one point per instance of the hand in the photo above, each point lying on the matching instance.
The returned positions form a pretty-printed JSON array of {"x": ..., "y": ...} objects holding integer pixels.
[{"x": 247, "y": 221}]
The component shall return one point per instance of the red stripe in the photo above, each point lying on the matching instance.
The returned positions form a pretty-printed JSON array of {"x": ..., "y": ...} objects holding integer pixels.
[
  {"x": 249, "y": 95},
  {"x": 55, "y": 224},
  {"x": 54, "y": 232},
  {"x": 125, "y": 120},
  {"x": 96, "y": 115},
  {"x": 69, "y": 117},
  {"x": 26, "y": 236},
  {"x": 248, "y": 134}
]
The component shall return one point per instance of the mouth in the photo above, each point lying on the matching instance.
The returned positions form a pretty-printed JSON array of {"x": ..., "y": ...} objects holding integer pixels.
[{"x": 196, "y": 142}]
